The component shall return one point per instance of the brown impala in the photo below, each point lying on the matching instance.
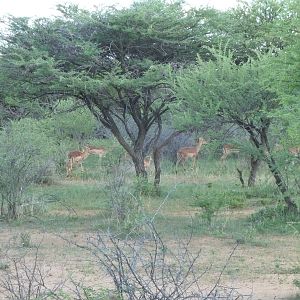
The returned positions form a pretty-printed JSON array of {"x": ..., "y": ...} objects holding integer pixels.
[
  {"x": 295, "y": 151},
  {"x": 76, "y": 157},
  {"x": 100, "y": 151},
  {"x": 190, "y": 152},
  {"x": 229, "y": 149},
  {"x": 147, "y": 162}
]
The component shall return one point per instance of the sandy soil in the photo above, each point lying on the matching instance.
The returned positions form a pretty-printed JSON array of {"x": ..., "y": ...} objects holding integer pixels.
[{"x": 265, "y": 272}]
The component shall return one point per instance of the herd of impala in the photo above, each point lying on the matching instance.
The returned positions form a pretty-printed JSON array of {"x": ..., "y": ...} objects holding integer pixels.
[
  {"x": 76, "y": 157},
  {"x": 182, "y": 154}
]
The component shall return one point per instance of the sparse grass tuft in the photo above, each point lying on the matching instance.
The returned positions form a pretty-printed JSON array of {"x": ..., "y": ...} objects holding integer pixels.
[
  {"x": 25, "y": 240},
  {"x": 276, "y": 219}
]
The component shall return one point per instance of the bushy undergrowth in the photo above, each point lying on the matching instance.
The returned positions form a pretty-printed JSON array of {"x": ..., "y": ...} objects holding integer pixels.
[
  {"x": 26, "y": 157},
  {"x": 125, "y": 207},
  {"x": 276, "y": 219},
  {"x": 212, "y": 200}
]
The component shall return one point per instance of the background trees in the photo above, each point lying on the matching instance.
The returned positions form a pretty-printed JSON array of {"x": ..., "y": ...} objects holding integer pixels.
[
  {"x": 219, "y": 89},
  {"x": 118, "y": 64},
  {"x": 113, "y": 61}
]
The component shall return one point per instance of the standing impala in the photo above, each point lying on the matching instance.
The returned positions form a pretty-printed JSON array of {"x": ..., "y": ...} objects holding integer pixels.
[
  {"x": 295, "y": 151},
  {"x": 229, "y": 149},
  {"x": 76, "y": 157},
  {"x": 190, "y": 152},
  {"x": 97, "y": 150}
]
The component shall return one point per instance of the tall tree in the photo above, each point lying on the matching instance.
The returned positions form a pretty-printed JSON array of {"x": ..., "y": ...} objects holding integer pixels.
[
  {"x": 114, "y": 61},
  {"x": 258, "y": 26},
  {"x": 219, "y": 89},
  {"x": 284, "y": 78}
]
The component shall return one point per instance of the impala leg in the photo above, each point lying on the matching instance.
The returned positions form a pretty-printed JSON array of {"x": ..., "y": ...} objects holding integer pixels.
[
  {"x": 194, "y": 162},
  {"x": 223, "y": 157},
  {"x": 177, "y": 162},
  {"x": 184, "y": 163},
  {"x": 176, "y": 166},
  {"x": 81, "y": 166},
  {"x": 69, "y": 167}
]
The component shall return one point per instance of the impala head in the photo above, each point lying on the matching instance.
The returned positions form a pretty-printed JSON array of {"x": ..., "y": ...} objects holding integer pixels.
[
  {"x": 148, "y": 158},
  {"x": 147, "y": 161},
  {"x": 86, "y": 149},
  {"x": 201, "y": 141}
]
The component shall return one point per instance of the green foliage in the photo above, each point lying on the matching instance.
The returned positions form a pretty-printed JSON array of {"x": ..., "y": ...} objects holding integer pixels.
[
  {"x": 276, "y": 218},
  {"x": 284, "y": 78},
  {"x": 25, "y": 240},
  {"x": 3, "y": 266},
  {"x": 220, "y": 88},
  {"x": 25, "y": 158},
  {"x": 102, "y": 294},
  {"x": 142, "y": 187},
  {"x": 126, "y": 209},
  {"x": 296, "y": 282},
  {"x": 212, "y": 200},
  {"x": 113, "y": 158},
  {"x": 259, "y": 26},
  {"x": 70, "y": 123}
]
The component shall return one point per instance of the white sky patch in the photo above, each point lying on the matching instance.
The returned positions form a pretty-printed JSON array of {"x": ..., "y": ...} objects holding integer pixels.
[{"x": 46, "y": 8}]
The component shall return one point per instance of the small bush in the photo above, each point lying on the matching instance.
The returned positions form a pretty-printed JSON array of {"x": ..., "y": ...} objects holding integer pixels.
[
  {"x": 276, "y": 218},
  {"x": 126, "y": 208},
  {"x": 25, "y": 240},
  {"x": 211, "y": 201},
  {"x": 25, "y": 158},
  {"x": 142, "y": 187},
  {"x": 261, "y": 191},
  {"x": 4, "y": 265}
]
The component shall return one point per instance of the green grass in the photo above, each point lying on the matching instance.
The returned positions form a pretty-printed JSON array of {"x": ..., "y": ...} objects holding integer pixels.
[
  {"x": 77, "y": 195},
  {"x": 206, "y": 199}
]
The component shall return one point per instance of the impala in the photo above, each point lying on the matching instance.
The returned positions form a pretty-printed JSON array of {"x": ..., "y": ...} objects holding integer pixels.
[
  {"x": 147, "y": 162},
  {"x": 295, "y": 151},
  {"x": 76, "y": 157},
  {"x": 97, "y": 150},
  {"x": 229, "y": 149},
  {"x": 190, "y": 152}
]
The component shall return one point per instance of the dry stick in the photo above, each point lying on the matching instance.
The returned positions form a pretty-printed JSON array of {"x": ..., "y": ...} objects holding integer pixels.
[
  {"x": 241, "y": 177},
  {"x": 23, "y": 275},
  {"x": 163, "y": 202},
  {"x": 223, "y": 269}
]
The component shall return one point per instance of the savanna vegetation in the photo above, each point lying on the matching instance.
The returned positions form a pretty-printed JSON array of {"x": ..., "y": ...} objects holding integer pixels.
[{"x": 151, "y": 152}]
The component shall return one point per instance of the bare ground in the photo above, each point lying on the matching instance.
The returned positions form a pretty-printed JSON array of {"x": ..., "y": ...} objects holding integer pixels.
[{"x": 266, "y": 272}]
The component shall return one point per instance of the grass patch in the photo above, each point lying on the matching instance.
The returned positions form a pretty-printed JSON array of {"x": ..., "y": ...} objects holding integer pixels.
[
  {"x": 276, "y": 219},
  {"x": 76, "y": 195}
]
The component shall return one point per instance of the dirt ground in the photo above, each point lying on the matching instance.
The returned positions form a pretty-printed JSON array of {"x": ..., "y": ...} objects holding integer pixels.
[{"x": 266, "y": 272}]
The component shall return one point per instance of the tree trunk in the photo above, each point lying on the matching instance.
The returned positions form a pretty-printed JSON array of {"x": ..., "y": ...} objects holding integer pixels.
[
  {"x": 157, "y": 157},
  {"x": 279, "y": 179},
  {"x": 2, "y": 208},
  {"x": 240, "y": 172},
  {"x": 139, "y": 166},
  {"x": 255, "y": 163},
  {"x": 156, "y": 161},
  {"x": 291, "y": 205},
  {"x": 12, "y": 210},
  {"x": 259, "y": 138}
]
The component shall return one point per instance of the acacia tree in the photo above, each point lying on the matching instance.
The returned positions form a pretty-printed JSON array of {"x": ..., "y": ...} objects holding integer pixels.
[
  {"x": 258, "y": 26},
  {"x": 219, "y": 89},
  {"x": 284, "y": 78},
  {"x": 114, "y": 61}
]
